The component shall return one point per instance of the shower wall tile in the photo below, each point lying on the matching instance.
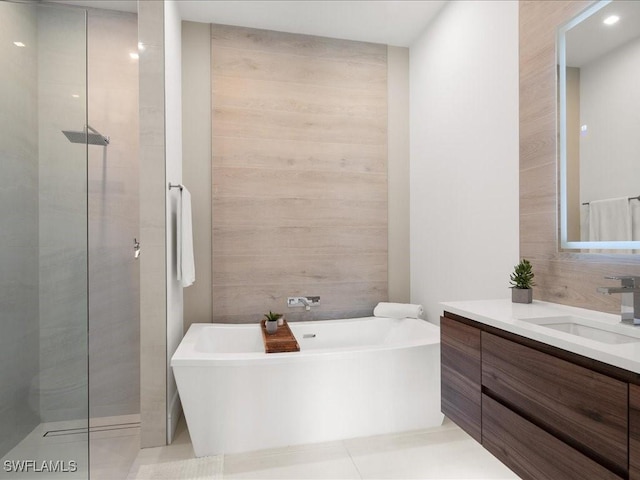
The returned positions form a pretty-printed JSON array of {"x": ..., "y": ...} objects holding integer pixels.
[
  {"x": 63, "y": 380},
  {"x": 18, "y": 143},
  {"x": 114, "y": 215},
  {"x": 61, "y": 44},
  {"x": 19, "y": 286},
  {"x": 100, "y": 222},
  {"x": 19, "y": 202},
  {"x": 63, "y": 216},
  {"x": 113, "y": 37},
  {"x": 115, "y": 382},
  {"x": 114, "y": 112},
  {"x": 53, "y": 99},
  {"x": 63, "y": 332},
  {"x": 19, "y": 401},
  {"x": 19, "y": 306},
  {"x": 63, "y": 289}
]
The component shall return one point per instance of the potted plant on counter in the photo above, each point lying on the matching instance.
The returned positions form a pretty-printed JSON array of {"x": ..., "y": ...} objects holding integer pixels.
[
  {"x": 521, "y": 283},
  {"x": 271, "y": 321}
]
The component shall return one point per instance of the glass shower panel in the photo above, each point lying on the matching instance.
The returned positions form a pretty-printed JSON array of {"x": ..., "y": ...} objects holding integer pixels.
[{"x": 43, "y": 243}]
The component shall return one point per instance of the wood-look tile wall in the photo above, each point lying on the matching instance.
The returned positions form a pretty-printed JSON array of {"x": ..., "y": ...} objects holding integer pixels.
[
  {"x": 299, "y": 167},
  {"x": 561, "y": 277}
]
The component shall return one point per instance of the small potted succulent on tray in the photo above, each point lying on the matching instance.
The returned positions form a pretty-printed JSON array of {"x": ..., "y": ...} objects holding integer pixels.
[
  {"x": 271, "y": 321},
  {"x": 521, "y": 283}
]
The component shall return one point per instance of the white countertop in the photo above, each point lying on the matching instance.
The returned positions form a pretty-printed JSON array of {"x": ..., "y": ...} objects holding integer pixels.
[{"x": 512, "y": 317}]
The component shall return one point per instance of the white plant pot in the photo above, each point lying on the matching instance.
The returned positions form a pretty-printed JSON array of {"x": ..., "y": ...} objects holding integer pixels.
[{"x": 272, "y": 326}]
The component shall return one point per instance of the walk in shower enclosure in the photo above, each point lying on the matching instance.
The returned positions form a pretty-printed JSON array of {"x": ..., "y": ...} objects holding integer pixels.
[{"x": 44, "y": 388}]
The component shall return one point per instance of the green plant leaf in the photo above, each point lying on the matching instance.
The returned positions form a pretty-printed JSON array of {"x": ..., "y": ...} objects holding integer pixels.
[
  {"x": 522, "y": 276},
  {"x": 272, "y": 317}
]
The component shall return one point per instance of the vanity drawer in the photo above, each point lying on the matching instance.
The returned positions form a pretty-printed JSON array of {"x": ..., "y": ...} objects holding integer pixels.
[
  {"x": 583, "y": 408},
  {"x": 531, "y": 452},
  {"x": 460, "y": 375},
  {"x": 634, "y": 432}
]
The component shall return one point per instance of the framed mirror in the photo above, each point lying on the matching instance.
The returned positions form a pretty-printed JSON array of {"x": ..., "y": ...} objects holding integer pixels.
[{"x": 599, "y": 128}]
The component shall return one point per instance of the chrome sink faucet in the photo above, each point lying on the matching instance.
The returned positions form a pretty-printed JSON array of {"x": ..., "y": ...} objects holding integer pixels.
[{"x": 630, "y": 290}]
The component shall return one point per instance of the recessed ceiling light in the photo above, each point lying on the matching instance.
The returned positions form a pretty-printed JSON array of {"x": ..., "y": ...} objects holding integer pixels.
[
  {"x": 134, "y": 56},
  {"x": 611, "y": 19},
  {"x": 19, "y": 44},
  {"x": 75, "y": 95}
]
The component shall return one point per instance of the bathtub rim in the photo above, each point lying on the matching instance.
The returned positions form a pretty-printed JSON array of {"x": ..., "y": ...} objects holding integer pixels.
[{"x": 186, "y": 355}]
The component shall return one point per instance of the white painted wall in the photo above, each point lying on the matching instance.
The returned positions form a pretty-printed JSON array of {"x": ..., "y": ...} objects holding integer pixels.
[
  {"x": 173, "y": 158},
  {"x": 464, "y": 155}
]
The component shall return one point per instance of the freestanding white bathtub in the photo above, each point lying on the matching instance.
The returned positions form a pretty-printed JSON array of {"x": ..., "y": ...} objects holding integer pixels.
[{"x": 351, "y": 378}]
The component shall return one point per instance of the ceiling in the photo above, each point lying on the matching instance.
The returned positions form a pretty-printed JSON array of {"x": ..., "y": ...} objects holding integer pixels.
[
  {"x": 396, "y": 22},
  {"x": 591, "y": 38}
]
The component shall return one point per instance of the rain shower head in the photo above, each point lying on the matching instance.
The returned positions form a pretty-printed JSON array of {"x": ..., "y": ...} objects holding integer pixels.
[{"x": 92, "y": 138}]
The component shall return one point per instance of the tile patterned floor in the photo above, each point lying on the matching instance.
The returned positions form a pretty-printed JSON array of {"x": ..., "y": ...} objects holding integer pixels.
[
  {"x": 444, "y": 452},
  {"x": 114, "y": 445}
]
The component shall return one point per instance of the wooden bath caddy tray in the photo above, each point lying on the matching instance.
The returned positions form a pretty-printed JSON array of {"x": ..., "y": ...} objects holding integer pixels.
[{"x": 281, "y": 341}]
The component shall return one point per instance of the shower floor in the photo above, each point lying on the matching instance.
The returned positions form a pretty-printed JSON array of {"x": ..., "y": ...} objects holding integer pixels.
[{"x": 114, "y": 444}]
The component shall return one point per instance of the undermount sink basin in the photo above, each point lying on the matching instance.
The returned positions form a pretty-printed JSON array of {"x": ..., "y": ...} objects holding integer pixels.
[{"x": 583, "y": 327}]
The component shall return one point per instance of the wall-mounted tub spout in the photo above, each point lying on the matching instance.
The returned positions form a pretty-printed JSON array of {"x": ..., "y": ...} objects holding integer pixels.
[{"x": 306, "y": 302}]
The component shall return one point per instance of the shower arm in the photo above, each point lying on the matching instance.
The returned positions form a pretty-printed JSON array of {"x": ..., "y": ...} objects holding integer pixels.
[{"x": 89, "y": 127}]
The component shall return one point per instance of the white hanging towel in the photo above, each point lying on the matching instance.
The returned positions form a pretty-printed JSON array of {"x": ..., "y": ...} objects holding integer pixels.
[
  {"x": 610, "y": 220},
  {"x": 584, "y": 223},
  {"x": 186, "y": 263},
  {"x": 634, "y": 205}
]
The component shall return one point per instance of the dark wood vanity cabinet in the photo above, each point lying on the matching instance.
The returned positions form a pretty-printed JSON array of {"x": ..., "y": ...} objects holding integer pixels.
[
  {"x": 586, "y": 409},
  {"x": 541, "y": 413},
  {"x": 634, "y": 432},
  {"x": 461, "y": 375},
  {"x": 530, "y": 451}
]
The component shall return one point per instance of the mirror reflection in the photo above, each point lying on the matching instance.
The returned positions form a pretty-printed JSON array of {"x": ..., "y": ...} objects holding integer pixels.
[{"x": 599, "y": 54}]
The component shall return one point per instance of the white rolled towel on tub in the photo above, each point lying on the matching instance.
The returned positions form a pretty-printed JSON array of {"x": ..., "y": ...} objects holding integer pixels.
[{"x": 397, "y": 310}]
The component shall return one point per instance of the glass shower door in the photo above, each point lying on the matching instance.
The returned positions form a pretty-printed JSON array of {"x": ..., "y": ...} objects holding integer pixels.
[{"x": 43, "y": 243}]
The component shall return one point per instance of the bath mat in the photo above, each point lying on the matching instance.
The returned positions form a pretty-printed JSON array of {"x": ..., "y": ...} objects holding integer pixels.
[{"x": 205, "y": 468}]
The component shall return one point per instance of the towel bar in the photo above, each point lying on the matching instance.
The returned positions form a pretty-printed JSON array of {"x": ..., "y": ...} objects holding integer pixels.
[{"x": 587, "y": 203}]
